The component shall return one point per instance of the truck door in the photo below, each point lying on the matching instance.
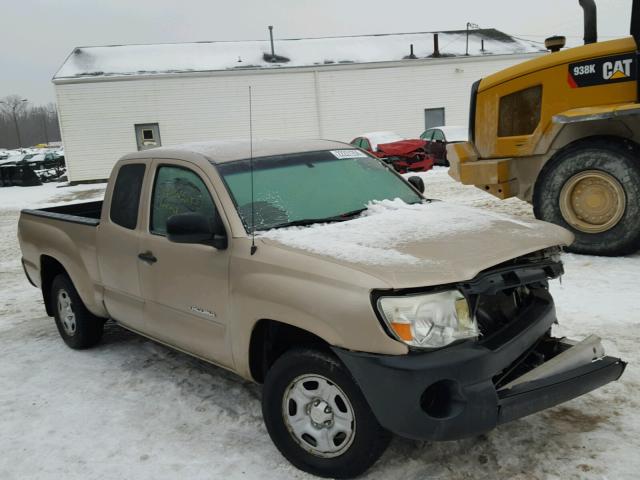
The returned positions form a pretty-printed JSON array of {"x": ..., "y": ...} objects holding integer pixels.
[
  {"x": 185, "y": 286},
  {"x": 117, "y": 243}
]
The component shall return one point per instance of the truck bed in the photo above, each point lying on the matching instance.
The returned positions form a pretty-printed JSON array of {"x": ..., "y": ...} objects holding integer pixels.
[{"x": 87, "y": 213}]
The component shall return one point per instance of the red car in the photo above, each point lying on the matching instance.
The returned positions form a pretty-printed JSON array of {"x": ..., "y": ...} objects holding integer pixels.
[{"x": 406, "y": 155}]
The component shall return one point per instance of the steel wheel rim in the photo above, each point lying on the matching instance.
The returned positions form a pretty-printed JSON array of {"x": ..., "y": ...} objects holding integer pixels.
[
  {"x": 65, "y": 313},
  {"x": 592, "y": 201},
  {"x": 318, "y": 415}
]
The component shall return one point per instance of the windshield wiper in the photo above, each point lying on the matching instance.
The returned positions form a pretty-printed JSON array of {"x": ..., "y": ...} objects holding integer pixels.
[{"x": 310, "y": 221}]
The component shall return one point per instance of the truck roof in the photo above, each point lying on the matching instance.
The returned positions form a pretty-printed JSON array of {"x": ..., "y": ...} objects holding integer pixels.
[{"x": 221, "y": 151}]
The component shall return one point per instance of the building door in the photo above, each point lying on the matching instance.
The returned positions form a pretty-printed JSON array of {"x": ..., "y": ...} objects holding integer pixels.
[
  {"x": 147, "y": 136},
  {"x": 433, "y": 117}
]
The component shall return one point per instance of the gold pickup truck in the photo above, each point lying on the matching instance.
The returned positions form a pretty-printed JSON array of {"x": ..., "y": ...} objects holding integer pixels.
[{"x": 311, "y": 267}]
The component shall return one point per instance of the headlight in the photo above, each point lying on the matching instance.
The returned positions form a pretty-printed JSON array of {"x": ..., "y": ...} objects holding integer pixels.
[{"x": 429, "y": 320}]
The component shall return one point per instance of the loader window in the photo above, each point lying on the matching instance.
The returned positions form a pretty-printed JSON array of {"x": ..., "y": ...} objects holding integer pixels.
[
  {"x": 520, "y": 112},
  {"x": 126, "y": 195}
]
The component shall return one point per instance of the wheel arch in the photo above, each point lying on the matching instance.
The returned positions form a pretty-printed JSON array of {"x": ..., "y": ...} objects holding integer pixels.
[
  {"x": 50, "y": 268},
  {"x": 270, "y": 339}
]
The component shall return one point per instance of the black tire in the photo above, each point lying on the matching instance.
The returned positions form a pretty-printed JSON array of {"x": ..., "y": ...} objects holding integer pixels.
[
  {"x": 87, "y": 328},
  {"x": 369, "y": 439},
  {"x": 619, "y": 159}
]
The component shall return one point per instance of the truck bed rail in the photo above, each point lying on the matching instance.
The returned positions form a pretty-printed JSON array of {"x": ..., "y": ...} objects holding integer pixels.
[{"x": 87, "y": 213}]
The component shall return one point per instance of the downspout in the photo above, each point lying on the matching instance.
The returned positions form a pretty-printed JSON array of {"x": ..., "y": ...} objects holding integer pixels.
[{"x": 590, "y": 21}]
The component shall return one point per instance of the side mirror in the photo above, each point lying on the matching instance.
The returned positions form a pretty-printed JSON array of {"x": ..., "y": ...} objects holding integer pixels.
[
  {"x": 196, "y": 228},
  {"x": 417, "y": 183}
]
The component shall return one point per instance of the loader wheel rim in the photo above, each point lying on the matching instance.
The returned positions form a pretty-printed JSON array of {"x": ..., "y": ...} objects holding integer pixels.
[{"x": 592, "y": 201}]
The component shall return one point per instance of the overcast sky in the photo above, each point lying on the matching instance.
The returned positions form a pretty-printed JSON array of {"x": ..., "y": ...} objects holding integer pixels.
[{"x": 37, "y": 35}]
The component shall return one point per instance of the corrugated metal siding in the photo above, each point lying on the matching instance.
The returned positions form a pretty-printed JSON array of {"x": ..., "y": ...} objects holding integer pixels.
[{"x": 97, "y": 118}]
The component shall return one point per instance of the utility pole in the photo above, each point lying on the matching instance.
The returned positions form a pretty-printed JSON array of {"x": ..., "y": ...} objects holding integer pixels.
[
  {"x": 469, "y": 25},
  {"x": 45, "y": 119},
  {"x": 13, "y": 106}
]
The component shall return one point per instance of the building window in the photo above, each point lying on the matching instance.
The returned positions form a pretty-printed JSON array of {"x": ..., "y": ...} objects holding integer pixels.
[
  {"x": 147, "y": 136},
  {"x": 433, "y": 117}
]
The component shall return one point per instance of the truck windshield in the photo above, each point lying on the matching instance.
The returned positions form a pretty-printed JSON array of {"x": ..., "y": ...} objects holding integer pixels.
[{"x": 310, "y": 187}]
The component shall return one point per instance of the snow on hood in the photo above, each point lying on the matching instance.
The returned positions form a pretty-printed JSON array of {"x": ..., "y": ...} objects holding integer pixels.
[{"x": 444, "y": 241}]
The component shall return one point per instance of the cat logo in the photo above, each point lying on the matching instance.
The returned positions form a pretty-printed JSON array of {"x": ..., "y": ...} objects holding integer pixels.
[
  {"x": 602, "y": 71},
  {"x": 616, "y": 70}
]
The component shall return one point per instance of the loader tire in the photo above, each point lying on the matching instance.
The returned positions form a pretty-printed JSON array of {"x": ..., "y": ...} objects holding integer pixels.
[
  {"x": 593, "y": 189},
  {"x": 77, "y": 326}
]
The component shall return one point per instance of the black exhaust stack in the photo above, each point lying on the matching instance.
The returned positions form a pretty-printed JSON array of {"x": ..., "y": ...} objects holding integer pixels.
[
  {"x": 635, "y": 31},
  {"x": 635, "y": 22},
  {"x": 590, "y": 21}
]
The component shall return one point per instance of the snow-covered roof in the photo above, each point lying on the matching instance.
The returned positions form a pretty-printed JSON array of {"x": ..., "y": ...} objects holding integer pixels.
[{"x": 127, "y": 60}]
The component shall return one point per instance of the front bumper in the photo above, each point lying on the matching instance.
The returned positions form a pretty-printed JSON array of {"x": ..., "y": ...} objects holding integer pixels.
[
  {"x": 495, "y": 176},
  {"x": 450, "y": 394}
]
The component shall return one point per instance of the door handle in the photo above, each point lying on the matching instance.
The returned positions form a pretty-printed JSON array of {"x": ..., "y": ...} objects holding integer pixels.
[{"x": 147, "y": 257}]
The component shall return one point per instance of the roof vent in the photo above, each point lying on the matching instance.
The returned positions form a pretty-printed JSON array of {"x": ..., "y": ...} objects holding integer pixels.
[
  {"x": 272, "y": 57},
  {"x": 411, "y": 55}
]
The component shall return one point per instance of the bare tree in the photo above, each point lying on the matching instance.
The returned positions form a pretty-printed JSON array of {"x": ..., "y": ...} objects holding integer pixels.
[
  {"x": 14, "y": 105},
  {"x": 22, "y": 125}
]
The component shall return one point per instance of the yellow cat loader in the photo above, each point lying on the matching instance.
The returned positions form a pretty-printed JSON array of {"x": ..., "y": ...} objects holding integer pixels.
[{"x": 562, "y": 131}]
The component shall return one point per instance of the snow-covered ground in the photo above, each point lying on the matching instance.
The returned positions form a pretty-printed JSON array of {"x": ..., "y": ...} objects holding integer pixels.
[{"x": 133, "y": 409}]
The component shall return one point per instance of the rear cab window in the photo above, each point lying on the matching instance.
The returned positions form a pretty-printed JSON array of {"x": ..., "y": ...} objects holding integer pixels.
[{"x": 125, "y": 199}]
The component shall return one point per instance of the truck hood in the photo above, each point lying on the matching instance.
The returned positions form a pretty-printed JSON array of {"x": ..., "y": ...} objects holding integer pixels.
[{"x": 418, "y": 245}]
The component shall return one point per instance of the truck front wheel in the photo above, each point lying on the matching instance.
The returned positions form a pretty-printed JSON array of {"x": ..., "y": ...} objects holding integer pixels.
[
  {"x": 77, "y": 326},
  {"x": 318, "y": 418},
  {"x": 593, "y": 189}
]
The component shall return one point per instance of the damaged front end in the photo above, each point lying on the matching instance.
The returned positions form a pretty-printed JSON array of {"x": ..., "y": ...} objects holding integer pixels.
[{"x": 513, "y": 369}]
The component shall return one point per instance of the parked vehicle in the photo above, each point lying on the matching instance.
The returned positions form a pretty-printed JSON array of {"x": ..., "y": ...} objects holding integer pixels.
[
  {"x": 406, "y": 155},
  {"x": 31, "y": 169},
  {"x": 437, "y": 139},
  {"x": 562, "y": 131},
  {"x": 352, "y": 340}
]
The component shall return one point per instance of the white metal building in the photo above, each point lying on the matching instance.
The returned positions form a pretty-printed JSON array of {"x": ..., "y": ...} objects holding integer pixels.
[{"x": 116, "y": 99}]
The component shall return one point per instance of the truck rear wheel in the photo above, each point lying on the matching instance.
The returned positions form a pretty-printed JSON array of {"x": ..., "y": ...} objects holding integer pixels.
[
  {"x": 593, "y": 189},
  {"x": 318, "y": 418},
  {"x": 77, "y": 326}
]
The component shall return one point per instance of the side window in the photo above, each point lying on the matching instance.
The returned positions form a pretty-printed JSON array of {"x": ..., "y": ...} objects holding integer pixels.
[
  {"x": 520, "y": 112},
  {"x": 126, "y": 195},
  {"x": 438, "y": 136},
  {"x": 364, "y": 143},
  {"x": 356, "y": 142},
  {"x": 178, "y": 190},
  {"x": 427, "y": 135}
]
